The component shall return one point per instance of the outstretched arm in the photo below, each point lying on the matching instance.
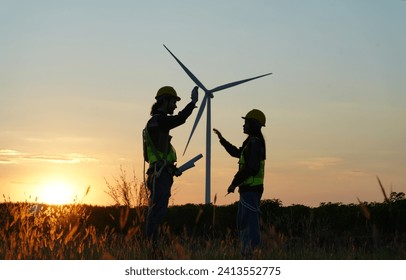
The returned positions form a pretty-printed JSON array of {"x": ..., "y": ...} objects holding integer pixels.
[{"x": 230, "y": 148}]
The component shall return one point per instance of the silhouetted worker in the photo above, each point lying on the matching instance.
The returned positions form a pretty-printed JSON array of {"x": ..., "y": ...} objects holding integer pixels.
[
  {"x": 249, "y": 179},
  {"x": 161, "y": 155}
]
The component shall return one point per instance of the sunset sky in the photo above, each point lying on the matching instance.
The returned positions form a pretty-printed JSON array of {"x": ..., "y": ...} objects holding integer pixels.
[{"x": 78, "y": 78}]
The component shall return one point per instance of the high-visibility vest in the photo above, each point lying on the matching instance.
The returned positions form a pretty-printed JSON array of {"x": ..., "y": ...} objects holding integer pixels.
[
  {"x": 152, "y": 154},
  {"x": 255, "y": 180}
]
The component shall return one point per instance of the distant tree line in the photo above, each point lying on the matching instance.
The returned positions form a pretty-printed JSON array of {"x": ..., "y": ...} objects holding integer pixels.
[{"x": 330, "y": 222}]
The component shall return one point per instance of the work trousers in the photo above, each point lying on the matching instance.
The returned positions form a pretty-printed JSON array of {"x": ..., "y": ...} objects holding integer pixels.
[
  {"x": 248, "y": 222},
  {"x": 160, "y": 188}
]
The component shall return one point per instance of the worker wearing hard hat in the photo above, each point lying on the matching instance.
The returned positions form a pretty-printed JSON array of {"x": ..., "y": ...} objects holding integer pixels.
[
  {"x": 161, "y": 155},
  {"x": 249, "y": 179}
]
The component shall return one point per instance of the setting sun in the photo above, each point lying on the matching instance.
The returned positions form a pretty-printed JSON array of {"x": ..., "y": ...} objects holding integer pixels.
[{"x": 56, "y": 192}]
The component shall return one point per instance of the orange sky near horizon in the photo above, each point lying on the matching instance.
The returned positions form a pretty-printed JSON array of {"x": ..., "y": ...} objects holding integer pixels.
[{"x": 77, "y": 81}]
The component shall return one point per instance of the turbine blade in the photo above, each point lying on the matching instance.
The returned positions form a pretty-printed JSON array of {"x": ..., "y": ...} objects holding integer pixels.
[
  {"x": 198, "y": 116},
  {"x": 237, "y": 83},
  {"x": 190, "y": 74}
]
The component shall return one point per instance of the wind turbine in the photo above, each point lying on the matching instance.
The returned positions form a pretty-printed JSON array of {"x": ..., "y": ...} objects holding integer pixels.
[{"x": 207, "y": 100}]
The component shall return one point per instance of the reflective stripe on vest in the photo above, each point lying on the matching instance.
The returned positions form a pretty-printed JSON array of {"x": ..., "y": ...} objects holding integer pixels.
[
  {"x": 170, "y": 157},
  {"x": 257, "y": 179}
]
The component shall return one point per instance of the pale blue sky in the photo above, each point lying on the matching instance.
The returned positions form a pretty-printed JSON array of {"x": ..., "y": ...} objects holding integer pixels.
[{"x": 77, "y": 80}]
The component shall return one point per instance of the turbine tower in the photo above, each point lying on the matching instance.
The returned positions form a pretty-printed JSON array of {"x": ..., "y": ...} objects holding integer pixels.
[{"x": 207, "y": 101}]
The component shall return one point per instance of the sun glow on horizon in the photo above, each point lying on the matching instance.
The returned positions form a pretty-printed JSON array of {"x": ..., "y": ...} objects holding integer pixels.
[{"x": 56, "y": 193}]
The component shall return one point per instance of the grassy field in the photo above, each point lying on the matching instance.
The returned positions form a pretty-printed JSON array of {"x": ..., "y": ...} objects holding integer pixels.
[
  {"x": 330, "y": 231},
  {"x": 33, "y": 231}
]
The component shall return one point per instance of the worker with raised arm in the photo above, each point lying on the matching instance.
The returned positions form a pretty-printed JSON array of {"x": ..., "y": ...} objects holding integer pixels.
[
  {"x": 249, "y": 179},
  {"x": 161, "y": 155}
]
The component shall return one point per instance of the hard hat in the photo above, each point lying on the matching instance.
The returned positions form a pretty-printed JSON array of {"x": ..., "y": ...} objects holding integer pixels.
[
  {"x": 257, "y": 115},
  {"x": 167, "y": 90}
]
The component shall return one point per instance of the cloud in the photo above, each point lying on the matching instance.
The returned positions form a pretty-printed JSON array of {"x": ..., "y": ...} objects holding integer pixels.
[
  {"x": 13, "y": 157},
  {"x": 60, "y": 139},
  {"x": 320, "y": 162},
  {"x": 69, "y": 158},
  {"x": 6, "y": 152},
  {"x": 8, "y": 156},
  {"x": 5, "y": 161},
  {"x": 358, "y": 173}
]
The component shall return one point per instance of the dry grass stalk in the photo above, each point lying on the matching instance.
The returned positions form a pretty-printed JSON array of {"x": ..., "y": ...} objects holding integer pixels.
[
  {"x": 383, "y": 190},
  {"x": 365, "y": 210},
  {"x": 199, "y": 215},
  {"x": 214, "y": 210},
  {"x": 124, "y": 213},
  {"x": 126, "y": 192}
]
